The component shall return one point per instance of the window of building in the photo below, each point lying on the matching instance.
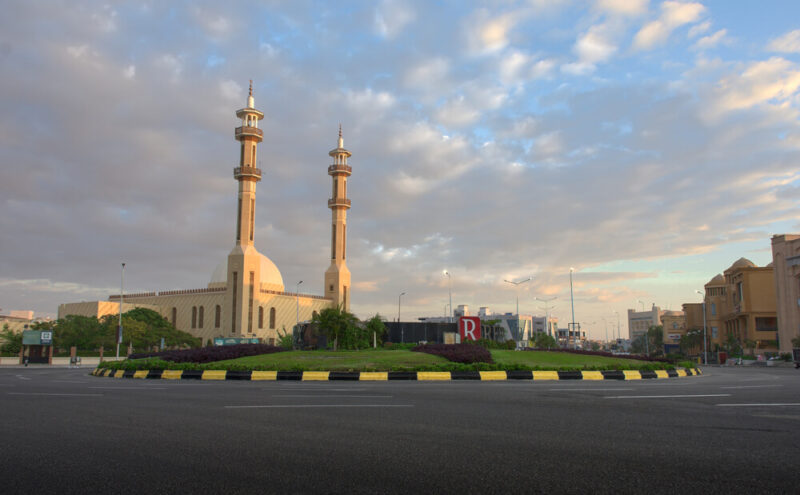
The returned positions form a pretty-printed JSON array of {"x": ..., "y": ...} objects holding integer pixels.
[
  {"x": 766, "y": 324},
  {"x": 194, "y": 316},
  {"x": 740, "y": 296},
  {"x": 272, "y": 317},
  {"x": 217, "y": 316},
  {"x": 174, "y": 317},
  {"x": 713, "y": 309},
  {"x": 714, "y": 332},
  {"x": 200, "y": 317},
  {"x": 260, "y": 317},
  {"x": 233, "y": 306}
]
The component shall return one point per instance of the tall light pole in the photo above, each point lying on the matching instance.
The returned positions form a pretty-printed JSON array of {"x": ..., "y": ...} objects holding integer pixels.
[
  {"x": 516, "y": 286},
  {"x": 605, "y": 324},
  {"x": 572, "y": 302},
  {"x": 640, "y": 302},
  {"x": 398, "y": 305},
  {"x": 705, "y": 355},
  {"x": 617, "y": 313},
  {"x": 297, "y": 296},
  {"x": 121, "y": 292},
  {"x": 547, "y": 308},
  {"x": 450, "y": 293}
]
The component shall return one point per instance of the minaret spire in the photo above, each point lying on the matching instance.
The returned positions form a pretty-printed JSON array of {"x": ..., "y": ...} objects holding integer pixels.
[{"x": 337, "y": 277}]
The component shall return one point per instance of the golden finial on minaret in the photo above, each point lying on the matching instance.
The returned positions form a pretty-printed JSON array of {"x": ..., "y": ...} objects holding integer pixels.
[
  {"x": 251, "y": 87},
  {"x": 341, "y": 141}
]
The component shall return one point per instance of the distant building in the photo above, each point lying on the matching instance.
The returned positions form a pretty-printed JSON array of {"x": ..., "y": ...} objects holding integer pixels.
[
  {"x": 751, "y": 314},
  {"x": 674, "y": 325},
  {"x": 786, "y": 262},
  {"x": 640, "y": 321}
]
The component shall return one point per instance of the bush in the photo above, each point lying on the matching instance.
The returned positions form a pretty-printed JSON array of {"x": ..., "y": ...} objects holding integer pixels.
[
  {"x": 458, "y": 353},
  {"x": 399, "y": 346},
  {"x": 604, "y": 354},
  {"x": 209, "y": 354},
  {"x": 786, "y": 356}
]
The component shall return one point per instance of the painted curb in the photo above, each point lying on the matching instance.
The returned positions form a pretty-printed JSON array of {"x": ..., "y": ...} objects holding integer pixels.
[{"x": 396, "y": 375}]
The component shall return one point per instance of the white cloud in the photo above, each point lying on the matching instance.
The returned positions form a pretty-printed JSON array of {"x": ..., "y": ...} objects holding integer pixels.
[
  {"x": 487, "y": 33},
  {"x": 788, "y": 43},
  {"x": 623, "y": 7},
  {"x": 699, "y": 29},
  {"x": 594, "y": 46},
  {"x": 775, "y": 81},
  {"x": 231, "y": 90},
  {"x": 457, "y": 112},
  {"x": 391, "y": 16},
  {"x": 711, "y": 41},
  {"x": 129, "y": 72},
  {"x": 578, "y": 68},
  {"x": 429, "y": 74},
  {"x": 673, "y": 15}
]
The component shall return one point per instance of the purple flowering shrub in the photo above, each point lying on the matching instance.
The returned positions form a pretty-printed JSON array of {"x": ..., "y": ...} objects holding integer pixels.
[
  {"x": 457, "y": 353},
  {"x": 604, "y": 354},
  {"x": 210, "y": 354}
]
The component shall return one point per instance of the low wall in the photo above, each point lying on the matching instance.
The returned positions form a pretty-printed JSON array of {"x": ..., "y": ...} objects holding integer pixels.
[{"x": 60, "y": 361}]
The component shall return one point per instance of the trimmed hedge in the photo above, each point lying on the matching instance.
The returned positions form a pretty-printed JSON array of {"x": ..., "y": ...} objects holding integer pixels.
[
  {"x": 457, "y": 353},
  {"x": 210, "y": 354},
  {"x": 604, "y": 354}
]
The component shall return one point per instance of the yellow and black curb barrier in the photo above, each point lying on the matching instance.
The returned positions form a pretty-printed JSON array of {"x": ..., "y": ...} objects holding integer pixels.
[{"x": 394, "y": 375}]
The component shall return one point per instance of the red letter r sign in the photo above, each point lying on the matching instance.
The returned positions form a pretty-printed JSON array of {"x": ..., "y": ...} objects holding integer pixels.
[{"x": 469, "y": 327}]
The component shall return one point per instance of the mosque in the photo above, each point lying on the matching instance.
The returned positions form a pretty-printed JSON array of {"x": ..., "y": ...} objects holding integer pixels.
[{"x": 246, "y": 296}]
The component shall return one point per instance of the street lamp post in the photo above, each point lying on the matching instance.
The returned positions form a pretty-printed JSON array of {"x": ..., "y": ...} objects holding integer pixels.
[
  {"x": 398, "y": 305},
  {"x": 705, "y": 352},
  {"x": 617, "y": 313},
  {"x": 297, "y": 296},
  {"x": 547, "y": 311},
  {"x": 450, "y": 293},
  {"x": 516, "y": 286},
  {"x": 121, "y": 292},
  {"x": 572, "y": 303}
]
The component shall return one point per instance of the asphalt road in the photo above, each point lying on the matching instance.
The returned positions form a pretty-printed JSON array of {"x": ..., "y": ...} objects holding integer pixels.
[{"x": 727, "y": 431}]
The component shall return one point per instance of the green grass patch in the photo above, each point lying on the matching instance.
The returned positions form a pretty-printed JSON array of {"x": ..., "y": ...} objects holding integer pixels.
[{"x": 398, "y": 360}]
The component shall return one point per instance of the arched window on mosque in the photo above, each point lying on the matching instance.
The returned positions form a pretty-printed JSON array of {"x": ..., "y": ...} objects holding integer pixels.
[
  {"x": 194, "y": 316},
  {"x": 272, "y": 317},
  {"x": 260, "y": 317},
  {"x": 200, "y": 317},
  {"x": 174, "y": 317},
  {"x": 217, "y": 316}
]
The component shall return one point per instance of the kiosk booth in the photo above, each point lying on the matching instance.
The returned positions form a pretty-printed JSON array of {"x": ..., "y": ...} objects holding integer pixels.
[{"x": 37, "y": 347}]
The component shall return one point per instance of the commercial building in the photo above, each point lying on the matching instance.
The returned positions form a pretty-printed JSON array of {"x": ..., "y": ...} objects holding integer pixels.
[
  {"x": 751, "y": 317},
  {"x": 246, "y": 296},
  {"x": 674, "y": 325},
  {"x": 786, "y": 263},
  {"x": 640, "y": 321}
]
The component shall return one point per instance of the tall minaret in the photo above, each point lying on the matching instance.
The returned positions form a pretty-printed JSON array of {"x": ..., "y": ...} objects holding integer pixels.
[
  {"x": 337, "y": 277},
  {"x": 244, "y": 262}
]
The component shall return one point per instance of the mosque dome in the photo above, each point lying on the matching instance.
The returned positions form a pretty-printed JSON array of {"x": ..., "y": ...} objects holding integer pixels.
[
  {"x": 719, "y": 279},
  {"x": 271, "y": 278},
  {"x": 743, "y": 263}
]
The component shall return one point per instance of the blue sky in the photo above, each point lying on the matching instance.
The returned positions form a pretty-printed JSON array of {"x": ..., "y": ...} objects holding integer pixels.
[{"x": 646, "y": 144}]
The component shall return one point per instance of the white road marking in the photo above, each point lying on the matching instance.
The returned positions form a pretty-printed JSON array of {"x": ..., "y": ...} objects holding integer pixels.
[
  {"x": 22, "y": 377},
  {"x": 338, "y": 396},
  {"x": 760, "y": 405},
  {"x": 318, "y": 405},
  {"x": 67, "y": 381},
  {"x": 663, "y": 396},
  {"x": 42, "y": 393},
  {"x": 131, "y": 388},
  {"x": 585, "y": 389},
  {"x": 754, "y": 386}
]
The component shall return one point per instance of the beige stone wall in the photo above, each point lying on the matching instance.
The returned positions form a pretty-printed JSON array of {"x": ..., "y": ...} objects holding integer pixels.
[
  {"x": 785, "y": 248},
  {"x": 674, "y": 324},
  {"x": 756, "y": 300},
  {"x": 98, "y": 309}
]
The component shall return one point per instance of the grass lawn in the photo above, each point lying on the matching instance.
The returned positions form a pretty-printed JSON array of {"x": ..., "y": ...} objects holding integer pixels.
[
  {"x": 397, "y": 360},
  {"x": 366, "y": 360},
  {"x": 562, "y": 360}
]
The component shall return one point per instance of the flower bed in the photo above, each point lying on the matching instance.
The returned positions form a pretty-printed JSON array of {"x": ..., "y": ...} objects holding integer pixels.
[
  {"x": 457, "y": 353},
  {"x": 604, "y": 354},
  {"x": 210, "y": 354}
]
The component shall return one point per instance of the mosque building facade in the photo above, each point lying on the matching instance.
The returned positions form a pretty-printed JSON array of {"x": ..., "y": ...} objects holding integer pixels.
[{"x": 246, "y": 296}]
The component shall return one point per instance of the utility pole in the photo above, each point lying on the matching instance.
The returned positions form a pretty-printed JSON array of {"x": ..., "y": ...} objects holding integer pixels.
[{"x": 121, "y": 292}]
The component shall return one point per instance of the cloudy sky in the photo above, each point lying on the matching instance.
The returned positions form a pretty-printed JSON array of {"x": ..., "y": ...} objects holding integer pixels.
[{"x": 647, "y": 144}]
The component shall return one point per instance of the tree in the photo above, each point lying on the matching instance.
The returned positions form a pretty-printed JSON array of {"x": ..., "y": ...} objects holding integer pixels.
[
  {"x": 595, "y": 346},
  {"x": 374, "y": 326},
  {"x": 544, "y": 341},
  {"x": 796, "y": 342},
  {"x": 337, "y": 325},
  {"x": 11, "y": 341}
]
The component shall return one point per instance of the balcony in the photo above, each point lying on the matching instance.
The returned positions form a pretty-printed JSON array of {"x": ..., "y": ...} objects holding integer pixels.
[
  {"x": 338, "y": 202},
  {"x": 340, "y": 169},
  {"x": 249, "y": 131},
  {"x": 247, "y": 173}
]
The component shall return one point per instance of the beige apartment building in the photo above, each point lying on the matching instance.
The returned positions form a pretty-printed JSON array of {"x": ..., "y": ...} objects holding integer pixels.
[
  {"x": 786, "y": 261},
  {"x": 750, "y": 313},
  {"x": 674, "y": 325},
  {"x": 246, "y": 296},
  {"x": 640, "y": 321}
]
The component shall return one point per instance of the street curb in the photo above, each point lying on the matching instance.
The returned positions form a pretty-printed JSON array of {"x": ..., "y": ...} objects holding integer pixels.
[{"x": 395, "y": 375}]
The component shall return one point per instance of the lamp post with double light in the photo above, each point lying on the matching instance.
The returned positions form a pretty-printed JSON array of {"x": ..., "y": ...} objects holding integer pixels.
[
  {"x": 450, "y": 294},
  {"x": 547, "y": 309},
  {"x": 705, "y": 351}
]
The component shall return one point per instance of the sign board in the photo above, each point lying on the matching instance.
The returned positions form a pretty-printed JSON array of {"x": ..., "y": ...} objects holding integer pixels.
[
  {"x": 674, "y": 336},
  {"x": 236, "y": 341},
  {"x": 469, "y": 328},
  {"x": 36, "y": 337},
  {"x": 47, "y": 338}
]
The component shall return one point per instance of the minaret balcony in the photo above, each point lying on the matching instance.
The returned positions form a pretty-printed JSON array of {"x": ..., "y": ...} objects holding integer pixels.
[
  {"x": 249, "y": 131},
  {"x": 339, "y": 169},
  {"x": 240, "y": 173},
  {"x": 333, "y": 203}
]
